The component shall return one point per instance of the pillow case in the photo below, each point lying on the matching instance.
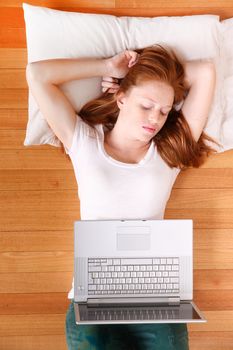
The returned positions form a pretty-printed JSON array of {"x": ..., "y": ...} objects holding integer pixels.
[
  {"x": 227, "y": 91},
  {"x": 69, "y": 35}
]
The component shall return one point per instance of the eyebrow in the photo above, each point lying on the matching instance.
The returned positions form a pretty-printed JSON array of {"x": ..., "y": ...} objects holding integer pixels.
[{"x": 147, "y": 98}]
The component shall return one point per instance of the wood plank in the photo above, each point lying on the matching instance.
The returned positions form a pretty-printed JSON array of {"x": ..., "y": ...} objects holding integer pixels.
[
  {"x": 37, "y": 241},
  {"x": 26, "y": 180},
  {"x": 58, "y": 3},
  {"x": 204, "y": 218},
  {"x": 13, "y": 119},
  {"x": 210, "y": 340},
  {"x": 212, "y": 279},
  {"x": 48, "y": 324},
  {"x": 201, "y": 198},
  {"x": 213, "y": 258},
  {"x": 34, "y": 158},
  {"x": 177, "y": 3},
  {"x": 13, "y": 58},
  {"x": 20, "y": 241},
  {"x": 12, "y": 139},
  {"x": 33, "y": 303},
  {"x": 13, "y": 79},
  {"x": 12, "y": 38},
  {"x": 213, "y": 238},
  {"x": 11, "y": 17},
  {"x": 56, "y": 282},
  {"x": 50, "y": 282},
  {"x": 30, "y": 220},
  {"x": 11, "y": 262},
  {"x": 214, "y": 299},
  {"x": 38, "y": 200},
  {"x": 42, "y": 342},
  {"x": 13, "y": 98},
  {"x": 205, "y": 178}
]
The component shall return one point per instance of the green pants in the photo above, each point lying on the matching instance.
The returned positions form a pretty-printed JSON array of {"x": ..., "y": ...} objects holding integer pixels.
[{"x": 163, "y": 336}]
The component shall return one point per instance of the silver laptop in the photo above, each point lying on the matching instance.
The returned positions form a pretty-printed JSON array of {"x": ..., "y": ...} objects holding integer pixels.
[{"x": 134, "y": 271}]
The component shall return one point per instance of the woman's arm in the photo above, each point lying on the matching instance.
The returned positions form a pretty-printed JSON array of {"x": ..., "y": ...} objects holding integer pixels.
[
  {"x": 43, "y": 78},
  {"x": 200, "y": 79}
]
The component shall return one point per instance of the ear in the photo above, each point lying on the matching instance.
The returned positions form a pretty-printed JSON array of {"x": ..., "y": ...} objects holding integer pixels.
[{"x": 120, "y": 100}]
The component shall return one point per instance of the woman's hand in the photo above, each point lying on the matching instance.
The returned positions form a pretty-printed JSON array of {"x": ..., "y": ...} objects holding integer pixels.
[
  {"x": 110, "y": 84},
  {"x": 118, "y": 65}
]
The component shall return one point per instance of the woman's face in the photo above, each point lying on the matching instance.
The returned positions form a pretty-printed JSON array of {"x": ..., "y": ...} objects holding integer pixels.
[{"x": 144, "y": 109}]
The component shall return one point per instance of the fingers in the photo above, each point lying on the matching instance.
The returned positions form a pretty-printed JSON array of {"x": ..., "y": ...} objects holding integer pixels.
[
  {"x": 111, "y": 79},
  {"x": 132, "y": 57},
  {"x": 110, "y": 84}
]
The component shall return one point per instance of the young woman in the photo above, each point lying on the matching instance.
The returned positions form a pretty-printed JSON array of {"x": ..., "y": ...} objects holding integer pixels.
[{"x": 127, "y": 148}]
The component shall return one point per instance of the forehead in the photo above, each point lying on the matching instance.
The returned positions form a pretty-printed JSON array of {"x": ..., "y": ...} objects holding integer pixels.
[{"x": 154, "y": 91}]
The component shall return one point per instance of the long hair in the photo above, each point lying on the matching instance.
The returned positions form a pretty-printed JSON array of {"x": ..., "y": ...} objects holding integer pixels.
[{"x": 174, "y": 141}]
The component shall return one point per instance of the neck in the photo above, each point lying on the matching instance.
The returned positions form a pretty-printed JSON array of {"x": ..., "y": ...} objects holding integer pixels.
[{"x": 120, "y": 140}]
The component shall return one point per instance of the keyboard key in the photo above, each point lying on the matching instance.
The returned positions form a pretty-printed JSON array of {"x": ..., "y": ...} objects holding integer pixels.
[{"x": 134, "y": 262}]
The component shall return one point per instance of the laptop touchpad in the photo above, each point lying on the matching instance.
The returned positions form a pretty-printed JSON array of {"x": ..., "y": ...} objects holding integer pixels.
[{"x": 133, "y": 238}]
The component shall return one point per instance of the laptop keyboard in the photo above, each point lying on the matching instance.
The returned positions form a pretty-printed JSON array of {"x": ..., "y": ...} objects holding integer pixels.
[{"x": 133, "y": 275}]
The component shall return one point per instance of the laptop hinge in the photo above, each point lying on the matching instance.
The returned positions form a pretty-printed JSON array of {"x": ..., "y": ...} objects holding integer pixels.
[{"x": 145, "y": 300}]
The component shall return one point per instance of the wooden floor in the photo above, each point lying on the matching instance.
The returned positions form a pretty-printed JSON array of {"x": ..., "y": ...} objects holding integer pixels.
[{"x": 38, "y": 198}]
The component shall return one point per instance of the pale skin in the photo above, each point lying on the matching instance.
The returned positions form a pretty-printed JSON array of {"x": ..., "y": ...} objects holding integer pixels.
[{"x": 143, "y": 106}]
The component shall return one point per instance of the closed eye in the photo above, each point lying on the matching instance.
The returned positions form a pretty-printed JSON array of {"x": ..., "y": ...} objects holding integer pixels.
[{"x": 148, "y": 108}]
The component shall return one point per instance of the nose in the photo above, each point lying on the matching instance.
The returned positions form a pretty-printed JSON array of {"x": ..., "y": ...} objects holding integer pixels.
[{"x": 154, "y": 117}]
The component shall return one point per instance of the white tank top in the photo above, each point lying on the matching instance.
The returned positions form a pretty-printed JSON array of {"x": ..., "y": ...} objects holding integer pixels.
[{"x": 110, "y": 189}]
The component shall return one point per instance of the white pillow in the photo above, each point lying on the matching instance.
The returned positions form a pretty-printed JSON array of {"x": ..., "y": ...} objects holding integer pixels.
[
  {"x": 59, "y": 34},
  {"x": 227, "y": 91}
]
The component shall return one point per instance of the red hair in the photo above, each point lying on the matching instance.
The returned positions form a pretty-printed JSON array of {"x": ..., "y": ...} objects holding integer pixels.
[{"x": 174, "y": 141}]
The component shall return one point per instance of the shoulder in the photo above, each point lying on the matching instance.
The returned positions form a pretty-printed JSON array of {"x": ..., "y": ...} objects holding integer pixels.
[{"x": 83, "y": 133}]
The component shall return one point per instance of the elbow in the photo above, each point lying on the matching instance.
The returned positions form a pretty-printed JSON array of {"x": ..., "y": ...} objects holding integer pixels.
[
  {"x": 208, "y": 72},
  {"x": 35, "y": 73},
  {"x": 209, "y": 68},
  {"x": 31, "y": 73}
]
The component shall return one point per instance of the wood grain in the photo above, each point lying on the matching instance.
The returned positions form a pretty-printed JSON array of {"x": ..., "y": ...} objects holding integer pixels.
[
  {"x": 37, "y": 241},
  {"x": 52, "y": 342},
  {"x": 47, "y": 282},
  {"x": 13, "y": 79},
  {"x": 13, "y": 119},
  {"x": 13, "y": 58}
]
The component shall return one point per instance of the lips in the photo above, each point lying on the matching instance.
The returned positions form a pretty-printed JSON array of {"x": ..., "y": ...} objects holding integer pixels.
[{"x": 149, "y": 129}]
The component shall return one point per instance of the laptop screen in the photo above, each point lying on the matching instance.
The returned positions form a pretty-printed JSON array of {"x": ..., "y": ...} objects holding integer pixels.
[{"x": 145, "y": 313}]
